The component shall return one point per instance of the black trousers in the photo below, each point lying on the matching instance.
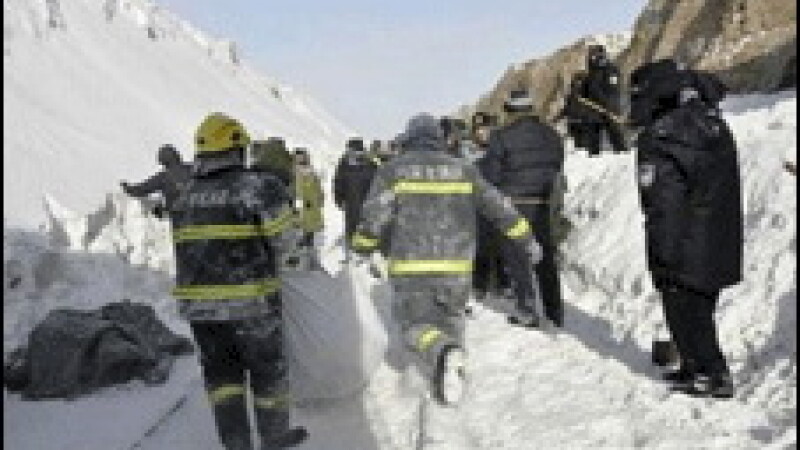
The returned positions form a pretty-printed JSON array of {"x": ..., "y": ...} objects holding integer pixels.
[
  {"x": 227, "y": 351},
  {"x": 594, "y": 132},
  {"x": 690, "y": 319},
  {"x": 518, "y": 265},
  {"x": 488, "y": 259}
]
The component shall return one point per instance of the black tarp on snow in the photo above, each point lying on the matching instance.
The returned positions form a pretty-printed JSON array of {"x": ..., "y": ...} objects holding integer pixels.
[{"x": 71, "y": 353}]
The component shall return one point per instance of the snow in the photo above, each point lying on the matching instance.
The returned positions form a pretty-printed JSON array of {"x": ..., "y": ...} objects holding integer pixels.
[
  {"x": 118, "y": 95},
  {"x": 87, "y": 104}
]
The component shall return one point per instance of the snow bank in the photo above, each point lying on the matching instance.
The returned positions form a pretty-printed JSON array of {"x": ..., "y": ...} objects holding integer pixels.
[{"x": 92, "y": 88}]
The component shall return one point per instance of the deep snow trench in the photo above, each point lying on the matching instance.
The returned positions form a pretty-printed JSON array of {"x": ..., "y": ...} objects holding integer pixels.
[{"x": 591, "y": 386}]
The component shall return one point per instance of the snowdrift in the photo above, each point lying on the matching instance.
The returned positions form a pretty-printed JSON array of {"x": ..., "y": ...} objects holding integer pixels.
[{"x": 92, "y": 88}]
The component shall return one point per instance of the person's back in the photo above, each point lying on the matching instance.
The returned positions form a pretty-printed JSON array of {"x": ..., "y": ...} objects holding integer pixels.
[
  {"x": 351, "y": 183},
  {"x": 274, "y": 157},
  {"x": 227, "y": 203},
  {"x": 524, "y": 158},
  {"x": 226, "y": 228},
  {"x": 428, "y": 203}
]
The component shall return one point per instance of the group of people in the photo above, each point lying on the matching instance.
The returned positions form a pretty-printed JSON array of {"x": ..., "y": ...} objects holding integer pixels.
[{"x": 454, "y": 218}]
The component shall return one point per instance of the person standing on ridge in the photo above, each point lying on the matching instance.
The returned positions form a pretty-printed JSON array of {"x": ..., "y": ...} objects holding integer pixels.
[
  {"x": 602, "y": 97},
  {"x": 428, "y": 203},
  {"x": 690, "y": 191},
  {"x": 229, "y": 230},
  {"x": 525, "y": 161}
]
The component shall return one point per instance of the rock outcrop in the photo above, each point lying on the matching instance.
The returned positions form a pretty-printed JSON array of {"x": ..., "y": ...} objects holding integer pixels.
[{"x": 752, "y": 45}]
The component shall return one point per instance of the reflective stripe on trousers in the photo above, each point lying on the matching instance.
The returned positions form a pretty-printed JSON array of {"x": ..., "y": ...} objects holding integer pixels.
[
  {"x": 262, "y": 288},
  {"x": 430, "y": 267}
]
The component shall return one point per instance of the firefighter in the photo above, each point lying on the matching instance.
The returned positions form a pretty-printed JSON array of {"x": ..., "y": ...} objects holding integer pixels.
[
  {"x": 525, "y": 161},
  {"x": 228, "y": 232},
  {"x": 690, "y": 191},
  {"x": 428, "y": 201},
  {"x": 169, "y": 182}
]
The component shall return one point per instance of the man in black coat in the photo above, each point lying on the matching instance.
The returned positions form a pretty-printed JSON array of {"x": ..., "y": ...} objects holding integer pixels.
[
  {"x": 524, "y": 160},
  {"x": 351, "y": 183},
  {"x": 601, "y": 98},
  {"x": 688, "y": 176}
]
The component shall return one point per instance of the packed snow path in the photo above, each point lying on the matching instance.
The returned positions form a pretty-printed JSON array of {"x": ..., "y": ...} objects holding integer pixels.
[{"x": 530, "y": 390}]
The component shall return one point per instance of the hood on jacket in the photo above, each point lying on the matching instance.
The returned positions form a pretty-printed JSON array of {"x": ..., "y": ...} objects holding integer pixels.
[{"x": 423, "y": 132}]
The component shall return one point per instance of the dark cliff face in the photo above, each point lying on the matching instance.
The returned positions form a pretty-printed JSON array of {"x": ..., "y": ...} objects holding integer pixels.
[{"x": 752, "y": 45}]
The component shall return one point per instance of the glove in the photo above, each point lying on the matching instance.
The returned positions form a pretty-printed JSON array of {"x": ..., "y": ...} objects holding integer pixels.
[
  {"x": 159, "y": 211},
  {"x": 535, "y": 252}
]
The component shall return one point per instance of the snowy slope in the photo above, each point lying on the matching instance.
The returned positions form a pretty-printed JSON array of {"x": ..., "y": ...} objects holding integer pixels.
[
  {"x": 592, "y": 386},
  {"x": 93, "y": 87}
]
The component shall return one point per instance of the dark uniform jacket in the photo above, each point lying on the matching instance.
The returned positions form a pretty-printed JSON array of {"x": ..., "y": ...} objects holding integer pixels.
[
  {"x": 601, "y": 86},
  {"x": 351, "y": 183},
  {"x": 428, "y": 202},
  {"x": 225, "y": 229},
  {"x": 169, "y": 183},
  {"x": 688, "y": 176},
  {"x": 524, "y": 159}
]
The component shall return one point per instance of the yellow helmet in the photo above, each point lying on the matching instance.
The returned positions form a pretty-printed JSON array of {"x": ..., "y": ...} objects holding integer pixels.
[{"x": 219, "y": 132}]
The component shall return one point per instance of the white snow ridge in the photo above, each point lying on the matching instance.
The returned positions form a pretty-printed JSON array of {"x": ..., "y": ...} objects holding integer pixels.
[{"x": 93, "y": 87}]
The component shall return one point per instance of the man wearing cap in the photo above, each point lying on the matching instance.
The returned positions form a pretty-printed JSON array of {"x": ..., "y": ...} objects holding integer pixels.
[{"x": 525, "y": 160}]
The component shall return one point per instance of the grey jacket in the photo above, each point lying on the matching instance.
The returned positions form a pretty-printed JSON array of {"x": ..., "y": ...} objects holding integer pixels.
[{"x": 427, "y": 203}]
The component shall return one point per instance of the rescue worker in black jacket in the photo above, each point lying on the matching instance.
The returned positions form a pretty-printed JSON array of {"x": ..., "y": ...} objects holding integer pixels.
[
  {"x": 351, "y": 183},
  {"x": 169, "y": 182},
  {"x": 689, "y": 182},
  {"x": 428, "y": 202},
  {"x": 229, "y": 230},
  {"x": 525, "y": 160},
  {"x": 601, "y": 95}
]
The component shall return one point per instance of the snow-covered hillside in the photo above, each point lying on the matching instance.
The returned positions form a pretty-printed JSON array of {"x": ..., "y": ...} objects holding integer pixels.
[
  {"x": 592, "y": 386},
  {"x": 93, "y": 87}
]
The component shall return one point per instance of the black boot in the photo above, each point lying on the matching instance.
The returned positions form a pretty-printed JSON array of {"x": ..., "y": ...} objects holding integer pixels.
[
  {"x": 680, "y": 380},
  {"x": 449, "y": 377},
  {"x": 293, "y": 437},
  {"x": 721, "y": 386},
  {"x": 527, "y": 319},
  {"x": 237, "y": 442}
]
